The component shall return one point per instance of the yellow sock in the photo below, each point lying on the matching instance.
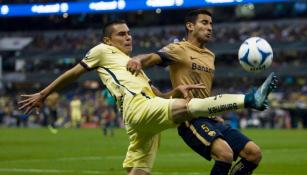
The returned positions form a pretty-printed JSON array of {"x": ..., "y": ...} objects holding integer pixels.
[{"x": 213, "y": 106}]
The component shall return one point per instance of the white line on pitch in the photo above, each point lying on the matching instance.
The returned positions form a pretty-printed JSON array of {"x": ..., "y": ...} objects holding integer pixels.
[
  {"x": 51, "y": 171},
  {"x": 89, "y": 158}
]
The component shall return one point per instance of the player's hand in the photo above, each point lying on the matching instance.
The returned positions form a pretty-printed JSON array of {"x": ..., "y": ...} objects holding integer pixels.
[
  {"x": 185, "y": 89},
  {"x": 30, "y": 102},
  {"x": 134, "y": 66}
]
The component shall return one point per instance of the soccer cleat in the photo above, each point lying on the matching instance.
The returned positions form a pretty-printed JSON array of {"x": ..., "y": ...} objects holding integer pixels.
[
  {"x": 258, "y": 99},
  {"x": 52, "y": 129}
]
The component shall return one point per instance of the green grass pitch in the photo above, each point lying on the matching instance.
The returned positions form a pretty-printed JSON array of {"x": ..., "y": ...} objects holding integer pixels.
[{"x": 86, "y": 151}]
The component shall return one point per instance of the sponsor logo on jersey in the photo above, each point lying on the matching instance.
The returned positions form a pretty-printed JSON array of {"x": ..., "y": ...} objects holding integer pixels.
[
  {"x": 212, "y": 133},
  {"x": 222, "y": 108},
  {"x": 87, "y": 55},
  {"x": 201, "y": 68}
]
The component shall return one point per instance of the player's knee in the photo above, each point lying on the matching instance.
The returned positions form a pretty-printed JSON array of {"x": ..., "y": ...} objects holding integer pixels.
[
  {"x": 221, "y": 151},
  {"x": 256, "y": 155},
  {"x": 253, "y": 153},
  {"x": 223, "y": 155},
  {"x": 135, "y": 171}
]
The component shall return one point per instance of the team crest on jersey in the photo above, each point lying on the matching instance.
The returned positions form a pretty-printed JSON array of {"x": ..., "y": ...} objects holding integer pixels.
[
  {"x": 167, "y": 48},
  {"x": 111, "y": 51},
  {"x": 171, "y": 47},
  {"x": 212, "y": 133}
]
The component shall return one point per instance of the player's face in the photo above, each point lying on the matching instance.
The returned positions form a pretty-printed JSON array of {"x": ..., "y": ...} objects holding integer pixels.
[
  {"x": 121, "y": 38},
  {"x": 203, "y": 28}
]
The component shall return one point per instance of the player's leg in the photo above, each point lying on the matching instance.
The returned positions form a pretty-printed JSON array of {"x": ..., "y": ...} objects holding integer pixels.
[
  {"x": 111, "y": 127},
  {"x": 223, "y": 156},
  {"x": 141, "y": 152},
  {"x": 251, "y": 152},
  {"x": 135, "y": 171},
  {"x": 157, "y": 115},
  {"x": 105, "y": 128},
  {"x": 205, "y": 139},
  {"x": 78, "y": 119},
  {"x": 144, "y": 120},
  {"x": 242, "y": 146},
  {"x": 73, "y": 120},
  {"x": 250, "y": 158},
  {"x": 54, "y": 117},
  {"x": 212, "y": 106}
]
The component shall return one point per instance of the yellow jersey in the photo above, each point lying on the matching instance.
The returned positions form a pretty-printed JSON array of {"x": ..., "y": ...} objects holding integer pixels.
[
  {"x": 110, "y": 63},
  {"x": 144, "y": 117},
  {"x": 75, "y": 106}
]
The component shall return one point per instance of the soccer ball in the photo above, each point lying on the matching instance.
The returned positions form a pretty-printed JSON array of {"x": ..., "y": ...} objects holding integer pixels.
[{"x": 255, "y": 54}]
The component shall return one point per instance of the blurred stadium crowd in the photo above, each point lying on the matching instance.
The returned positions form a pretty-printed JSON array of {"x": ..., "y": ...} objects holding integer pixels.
[
  {"x": 283, "y": 33},
  {"x": 156, "y": 37},
  {"x": 55, "y": 49},
  {"x": 95, "y": 107}
]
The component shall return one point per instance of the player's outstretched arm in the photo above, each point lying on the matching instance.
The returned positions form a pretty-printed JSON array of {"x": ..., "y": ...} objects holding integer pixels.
[
  {"x": 31, "y": 101},
  {"x": 137, "y": 63},
  {"x": 181, "y": 91}
]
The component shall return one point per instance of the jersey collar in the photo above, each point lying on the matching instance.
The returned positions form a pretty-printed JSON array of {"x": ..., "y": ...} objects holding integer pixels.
[{"x": 202, "y": 50}]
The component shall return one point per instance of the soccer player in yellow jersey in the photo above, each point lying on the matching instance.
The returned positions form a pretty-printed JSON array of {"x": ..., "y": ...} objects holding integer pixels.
[
  {"x": 75, "y": 111},
  {"x": 145, "y": 114},
  {"x": 191, "y": 63}
]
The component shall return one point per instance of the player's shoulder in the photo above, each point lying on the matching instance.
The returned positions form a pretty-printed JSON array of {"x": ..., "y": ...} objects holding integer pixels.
[
  {"x": 174, "y": 47},
  {"x": 209, "y": 51},
  {"x": 180, "y": 46},
  {"x": 95, "y": 50},
  {"x": 181, "y": 43},
  {"x": 100, "y": 49}
]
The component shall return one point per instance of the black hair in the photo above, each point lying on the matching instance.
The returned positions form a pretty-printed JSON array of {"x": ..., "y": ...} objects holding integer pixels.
[
  {"x": 107, "y": 31},
  {"x": 192, "y": 16}
]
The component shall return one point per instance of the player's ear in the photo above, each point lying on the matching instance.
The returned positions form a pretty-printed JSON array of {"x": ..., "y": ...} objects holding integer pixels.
[
  {"x": 189, "y": 26},
  {"x": 106, "y": 40}
]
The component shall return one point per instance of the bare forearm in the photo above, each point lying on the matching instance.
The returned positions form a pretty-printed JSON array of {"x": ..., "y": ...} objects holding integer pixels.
[
  {"x": 181, "y": 91},
  {"x": 148, "y": 60},
  {"x": 173, "y": 93},
  {"x": 170, "y": 94},
  {"x": 63, "y": 80}
]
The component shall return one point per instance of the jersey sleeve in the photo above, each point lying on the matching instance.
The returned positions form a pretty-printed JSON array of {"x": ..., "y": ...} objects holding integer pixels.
[
  {"x": 171, "y": 54},
  {"x": 92, "y": 59},
  {"x": 146, "y": 78}
]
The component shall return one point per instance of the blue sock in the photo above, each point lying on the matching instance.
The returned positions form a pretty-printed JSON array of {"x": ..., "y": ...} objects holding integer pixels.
[
  {"x": 220, "y": 168},
  {"x": 243, "y": 167}
]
